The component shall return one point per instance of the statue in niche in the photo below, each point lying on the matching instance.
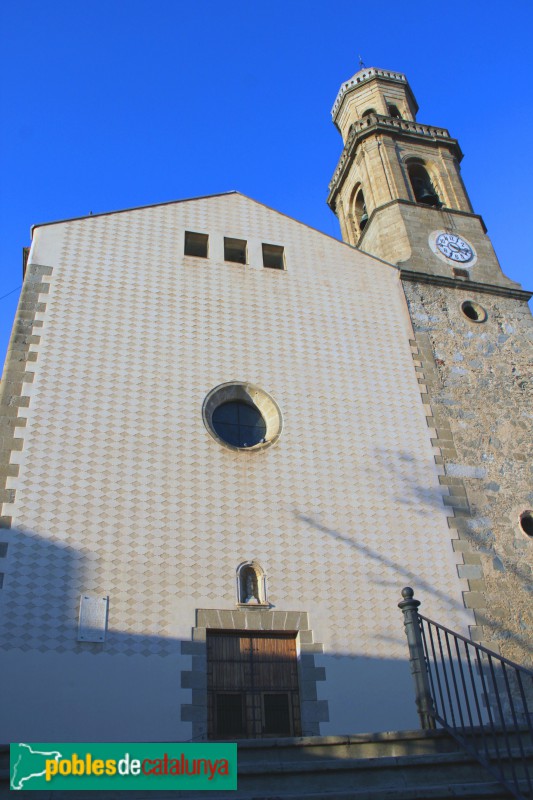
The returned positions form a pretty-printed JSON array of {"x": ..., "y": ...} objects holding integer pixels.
[
  {"x": 251, "y": 584},
  {"x": 251, "y": 588}
]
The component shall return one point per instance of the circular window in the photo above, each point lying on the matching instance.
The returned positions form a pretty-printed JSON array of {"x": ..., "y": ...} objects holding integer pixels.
[
  {"x": 473, "y": 311},
  {"x": 241, "y": 416},
  {"x": 526, "y": 522},
  {"x": 239, "y": 424}
]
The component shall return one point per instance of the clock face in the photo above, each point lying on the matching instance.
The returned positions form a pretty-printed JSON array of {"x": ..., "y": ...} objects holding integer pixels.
[{"x": 454, "y": 248}]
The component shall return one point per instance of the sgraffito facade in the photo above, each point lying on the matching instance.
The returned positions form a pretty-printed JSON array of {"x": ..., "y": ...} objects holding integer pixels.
[{"x": 230, "y": 439}]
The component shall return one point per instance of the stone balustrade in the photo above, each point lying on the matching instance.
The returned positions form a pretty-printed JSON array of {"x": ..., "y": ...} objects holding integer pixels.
[
  {"x": 382, "y": 121},
  {"x": 360, "y": 77}
]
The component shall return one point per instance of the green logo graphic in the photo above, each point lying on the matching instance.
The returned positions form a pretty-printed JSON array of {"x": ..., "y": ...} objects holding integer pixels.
[
  {"x": 27, "y": 763},
  {"x": 122, "y": 766}
]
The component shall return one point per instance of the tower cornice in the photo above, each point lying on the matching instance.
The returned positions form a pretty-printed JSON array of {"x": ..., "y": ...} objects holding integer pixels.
[
  {"x": 414, "y": 276},
  {"x": 400, "y": 201},
  {"x": 364, "y": 76},
  {"x": 374, "y": 124}
]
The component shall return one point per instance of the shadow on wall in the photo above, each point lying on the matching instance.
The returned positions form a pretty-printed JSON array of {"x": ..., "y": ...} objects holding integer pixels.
[
  {"x": 481, "y": 538},
  {"x": 408, "y": 577},
  {"x": 131, "y": 687},
  {"x": 39, "y": 597}
]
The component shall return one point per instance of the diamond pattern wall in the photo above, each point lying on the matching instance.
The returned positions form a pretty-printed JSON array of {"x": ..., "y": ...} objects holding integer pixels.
[{"x": 121, "y": 490}]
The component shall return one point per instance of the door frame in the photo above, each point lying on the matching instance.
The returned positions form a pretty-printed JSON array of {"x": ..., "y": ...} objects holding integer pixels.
[{"x": 194, "y": 671}]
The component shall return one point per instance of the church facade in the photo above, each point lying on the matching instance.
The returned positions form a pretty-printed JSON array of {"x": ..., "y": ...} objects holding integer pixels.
[{"x": 230, "y": 440}]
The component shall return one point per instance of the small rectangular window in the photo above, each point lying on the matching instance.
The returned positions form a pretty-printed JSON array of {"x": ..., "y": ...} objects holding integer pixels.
[
  {"x": 3, "y": 549},
  {"x": 1, "y": 579},
  {"x": 196, "y": 244},
  {"x": 273, "y": 256},
  {"x": 235, "y": 250}
]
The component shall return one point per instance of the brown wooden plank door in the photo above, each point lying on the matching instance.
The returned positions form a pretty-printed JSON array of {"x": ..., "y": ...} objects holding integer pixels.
[{"x": 252, "y": 684}]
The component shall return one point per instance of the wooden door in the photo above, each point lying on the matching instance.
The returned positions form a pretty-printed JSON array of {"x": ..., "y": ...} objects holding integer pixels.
[{"x": 252, "y": 683}]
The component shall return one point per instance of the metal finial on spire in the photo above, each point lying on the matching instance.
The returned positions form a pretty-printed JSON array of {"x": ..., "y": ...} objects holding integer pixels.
[{"x": 362, "y": 64}]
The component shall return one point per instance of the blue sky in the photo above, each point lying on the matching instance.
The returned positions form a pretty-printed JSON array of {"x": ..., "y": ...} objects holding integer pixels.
[{"x": 117, "y": 103}]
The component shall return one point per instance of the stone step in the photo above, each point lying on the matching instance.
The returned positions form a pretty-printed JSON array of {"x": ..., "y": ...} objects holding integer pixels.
[
  {"x": 364, "y": 745},
  {"x": 486, "y": 791}
]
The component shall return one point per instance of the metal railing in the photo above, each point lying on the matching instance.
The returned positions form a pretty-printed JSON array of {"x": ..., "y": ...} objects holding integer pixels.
[{"x": 483, "y": 700}]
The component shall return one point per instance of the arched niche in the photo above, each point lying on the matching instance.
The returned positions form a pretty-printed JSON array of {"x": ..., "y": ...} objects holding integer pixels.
[{"x": 251, "y": 584}]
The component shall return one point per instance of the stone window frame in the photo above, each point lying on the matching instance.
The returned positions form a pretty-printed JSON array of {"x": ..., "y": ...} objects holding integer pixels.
[
  {"x": 357, "y": 209},
  {"x": 254, "y": 396},
  {"x": 477, "y": 308},
  {"x": 249, "y": 619},
  {"x": 413, "y": 161}
]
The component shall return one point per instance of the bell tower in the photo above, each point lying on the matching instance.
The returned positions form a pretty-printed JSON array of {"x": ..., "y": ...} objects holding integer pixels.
[
  {"x": 397, "y": 189},
  {"x": 398, "y": 194}
]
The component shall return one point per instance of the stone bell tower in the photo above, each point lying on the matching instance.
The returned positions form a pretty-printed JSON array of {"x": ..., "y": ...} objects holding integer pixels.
[
  {"x": 398, "y": 194},
  {"x": 397, "y": 189}
]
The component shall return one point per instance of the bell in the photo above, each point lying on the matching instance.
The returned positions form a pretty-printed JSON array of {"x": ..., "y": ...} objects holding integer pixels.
[
  {"x": 427, "y": 196},
  {"x": 364, "y": 218}
]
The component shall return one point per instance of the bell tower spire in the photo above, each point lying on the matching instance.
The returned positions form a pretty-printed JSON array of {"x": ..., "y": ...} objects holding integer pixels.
[{"x": 397, "y": 189}]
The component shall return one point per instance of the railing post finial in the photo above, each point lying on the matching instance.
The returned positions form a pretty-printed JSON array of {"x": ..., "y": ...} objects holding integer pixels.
[{"x": 424, "y": 700}]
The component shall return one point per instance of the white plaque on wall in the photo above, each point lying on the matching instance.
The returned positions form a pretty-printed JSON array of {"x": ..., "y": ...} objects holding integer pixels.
[{"x": 93, "y": 619}]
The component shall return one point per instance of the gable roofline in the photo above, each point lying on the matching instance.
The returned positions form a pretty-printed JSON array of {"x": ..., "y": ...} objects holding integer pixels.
[
  {"x": 184, "y": 200},
  {"x": 208, "y": 197},
  {"x": 132, "y": 208}
]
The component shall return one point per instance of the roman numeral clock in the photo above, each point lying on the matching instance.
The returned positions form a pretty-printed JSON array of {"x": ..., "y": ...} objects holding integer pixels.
[{"x": 453, "y": 249}]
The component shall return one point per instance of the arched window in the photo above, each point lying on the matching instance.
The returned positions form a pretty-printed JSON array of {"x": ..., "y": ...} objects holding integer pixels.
[
  {"x": 251, "y": 584},
  {"x": 423, "y": 189},
  {"x": 360, "y": 212},
  {"x": 394, "y": 111},
  {"x": 368, "y": 112}
]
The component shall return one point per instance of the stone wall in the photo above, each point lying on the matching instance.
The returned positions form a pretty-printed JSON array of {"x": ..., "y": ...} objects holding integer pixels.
[{"x": 479, "y": 387}]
